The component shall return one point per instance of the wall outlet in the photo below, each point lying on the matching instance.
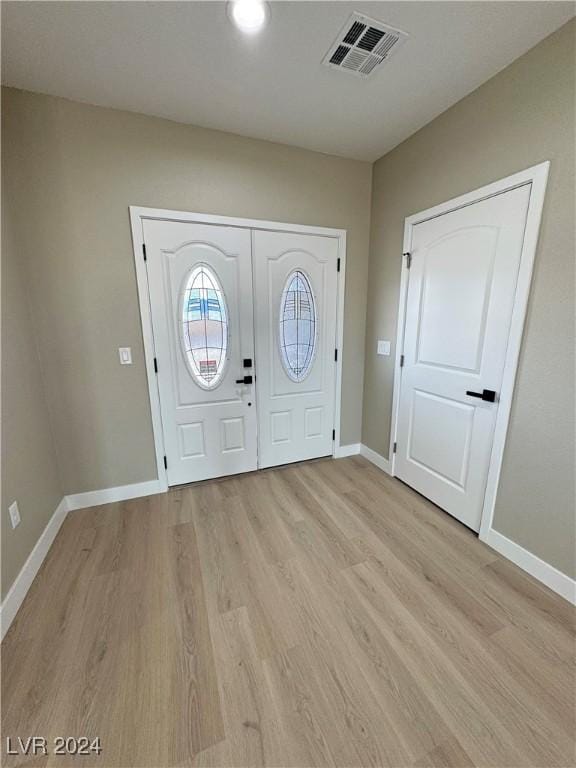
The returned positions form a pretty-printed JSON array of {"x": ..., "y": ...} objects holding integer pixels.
[{"x": 14, "y": 513}]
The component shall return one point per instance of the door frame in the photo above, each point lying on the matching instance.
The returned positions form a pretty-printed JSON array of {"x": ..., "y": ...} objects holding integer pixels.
[
  {"x": 139, "y": 214},
  {"x": 537, "y": 177}
]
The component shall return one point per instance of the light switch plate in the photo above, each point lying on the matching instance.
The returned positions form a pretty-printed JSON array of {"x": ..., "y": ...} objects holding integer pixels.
[
  {"x": 125, "y": 354},
  {"x": 14, "y": 513},
  {"x": 383, "y": 347}
]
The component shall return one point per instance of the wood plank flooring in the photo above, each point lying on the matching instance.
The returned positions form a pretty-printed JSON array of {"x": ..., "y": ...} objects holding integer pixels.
[{"x": 322, "y": 614}]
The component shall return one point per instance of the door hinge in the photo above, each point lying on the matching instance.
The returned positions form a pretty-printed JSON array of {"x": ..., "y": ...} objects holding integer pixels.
[
  {"x": 401, "y": 361},
  {"x": 155, "y": 365},
  {"x": 165, "y": 463},
  {"x": 394, "y": 447},
  {"x": 144, "y": 250},
  {"x": 408, "y": 259},
  {"x": 336, "y": 355},
  {"x": 338, "y": 264},
  {"x": 333, "y": 434}
]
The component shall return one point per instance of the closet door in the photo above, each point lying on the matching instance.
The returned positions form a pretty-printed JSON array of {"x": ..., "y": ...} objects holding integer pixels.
[
  {"x": 295, "y": 281},
  {"x": 461, "y": 290}
]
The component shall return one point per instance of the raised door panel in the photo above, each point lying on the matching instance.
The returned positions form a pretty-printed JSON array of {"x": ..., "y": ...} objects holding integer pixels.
[
  {"x": 454, "y": 299},
  {"x": 443, "y": 452}
]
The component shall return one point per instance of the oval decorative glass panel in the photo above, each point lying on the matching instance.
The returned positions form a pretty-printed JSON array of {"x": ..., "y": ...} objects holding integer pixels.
[
  {"x": 204, "y": 327},
  {"x": 297, "y": 326}
]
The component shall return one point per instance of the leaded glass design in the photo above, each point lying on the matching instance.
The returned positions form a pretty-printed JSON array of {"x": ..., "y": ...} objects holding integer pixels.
[
  {"x": 204, "y": 327},
  {"x": 297, "y": 326}
]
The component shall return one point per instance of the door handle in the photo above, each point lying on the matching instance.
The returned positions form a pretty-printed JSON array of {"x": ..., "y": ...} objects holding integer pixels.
[
  {"x": 489, "y": 395},
  {"x": 244, "y": 380}
]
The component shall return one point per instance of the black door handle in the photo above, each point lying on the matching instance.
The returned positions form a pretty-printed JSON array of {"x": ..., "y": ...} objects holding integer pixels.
[
  {"x": 245, "y": 380},
  {"x": 487, "y": 394}
]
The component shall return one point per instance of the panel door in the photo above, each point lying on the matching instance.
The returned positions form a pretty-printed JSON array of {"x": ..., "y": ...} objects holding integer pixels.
[
  {"x": 459, "y": 307},
  {"x": 200, "y": 283},
  {"x": 295, "y": 277}
]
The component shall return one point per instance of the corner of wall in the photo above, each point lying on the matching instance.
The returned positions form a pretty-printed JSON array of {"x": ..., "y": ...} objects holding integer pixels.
[{"x": 30, "y": 472}]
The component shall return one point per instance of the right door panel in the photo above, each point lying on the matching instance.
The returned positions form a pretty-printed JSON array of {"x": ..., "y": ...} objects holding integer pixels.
[
  {"x": 459, "y": 307},
  {"x": 295, "y": 280}
]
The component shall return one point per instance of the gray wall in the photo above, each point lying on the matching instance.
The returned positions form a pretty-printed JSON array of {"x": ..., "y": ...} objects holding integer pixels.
[
  {"x": 29, "y": 472},
  {"x": 521, "y": 117},
  {"x": 80, "y": 168}
]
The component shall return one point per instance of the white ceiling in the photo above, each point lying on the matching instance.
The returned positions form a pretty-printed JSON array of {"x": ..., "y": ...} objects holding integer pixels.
[{"x": 185, "y": 61}]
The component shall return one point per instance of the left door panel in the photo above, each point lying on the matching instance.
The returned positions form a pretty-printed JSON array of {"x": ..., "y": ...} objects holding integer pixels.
[{"x": 200, "y": 286}]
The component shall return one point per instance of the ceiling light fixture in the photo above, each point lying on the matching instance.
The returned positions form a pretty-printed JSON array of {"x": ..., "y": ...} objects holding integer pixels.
[{"x": 248, "y": 15}]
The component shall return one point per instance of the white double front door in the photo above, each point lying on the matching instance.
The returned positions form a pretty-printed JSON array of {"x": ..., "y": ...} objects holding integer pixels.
[
  {"x": 244, "y": 326},
  {"x": 462, "y": 283}
]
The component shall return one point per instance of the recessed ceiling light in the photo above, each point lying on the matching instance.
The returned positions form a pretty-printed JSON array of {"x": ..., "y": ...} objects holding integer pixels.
[{"x": 248, "y": 15}]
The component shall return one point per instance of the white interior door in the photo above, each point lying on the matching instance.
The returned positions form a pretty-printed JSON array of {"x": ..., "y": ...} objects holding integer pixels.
[
  {"x": 295, "y": 278},
  {"x": 200, "y": 285},
  {"x": 462, "y": 281}
]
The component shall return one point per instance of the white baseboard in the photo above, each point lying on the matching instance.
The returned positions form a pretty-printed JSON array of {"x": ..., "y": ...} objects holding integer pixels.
[
  {"x": 108, "y": 495},
  {"x": 23, "y": 581},
  {"x": 544, "y": 572},
  {"x": 376, "y": 459},
  {"x": 352, "y": 449}
]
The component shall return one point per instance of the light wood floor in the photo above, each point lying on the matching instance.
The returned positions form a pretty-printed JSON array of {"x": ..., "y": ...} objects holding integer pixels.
[{"x": 317, "y": 615}]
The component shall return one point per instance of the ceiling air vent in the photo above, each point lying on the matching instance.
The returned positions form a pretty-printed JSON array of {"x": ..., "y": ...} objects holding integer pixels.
[{"x": 362, "y": 45}]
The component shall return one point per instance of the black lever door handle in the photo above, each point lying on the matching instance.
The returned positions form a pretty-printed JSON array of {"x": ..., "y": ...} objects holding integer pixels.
[
  {"x": 487, "y": 394},
  {"x": 244, "y": 380}
]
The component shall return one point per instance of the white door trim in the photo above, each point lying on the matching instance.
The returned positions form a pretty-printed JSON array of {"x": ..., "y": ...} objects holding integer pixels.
[
  {"x": 137, "y": 216},
  {"x": 537, "y": 176}
]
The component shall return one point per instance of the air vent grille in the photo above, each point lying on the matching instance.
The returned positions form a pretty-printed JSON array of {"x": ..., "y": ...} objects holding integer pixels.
[
  {"x": 339, "y": 54},
  {"x": 354, "y": 32},
  {"x": 370, "y": 38},
  {"x": 362, "y": 45},
  {"x": 354, "y": 60}
]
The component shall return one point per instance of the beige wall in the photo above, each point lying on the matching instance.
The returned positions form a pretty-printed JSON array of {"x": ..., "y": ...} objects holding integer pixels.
[
  {"x": 29, "y": 472},
  {"x": 80, "y": 169},
  {"x": 521, "y": 117},
  {"x": 70, "y": 171}
]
